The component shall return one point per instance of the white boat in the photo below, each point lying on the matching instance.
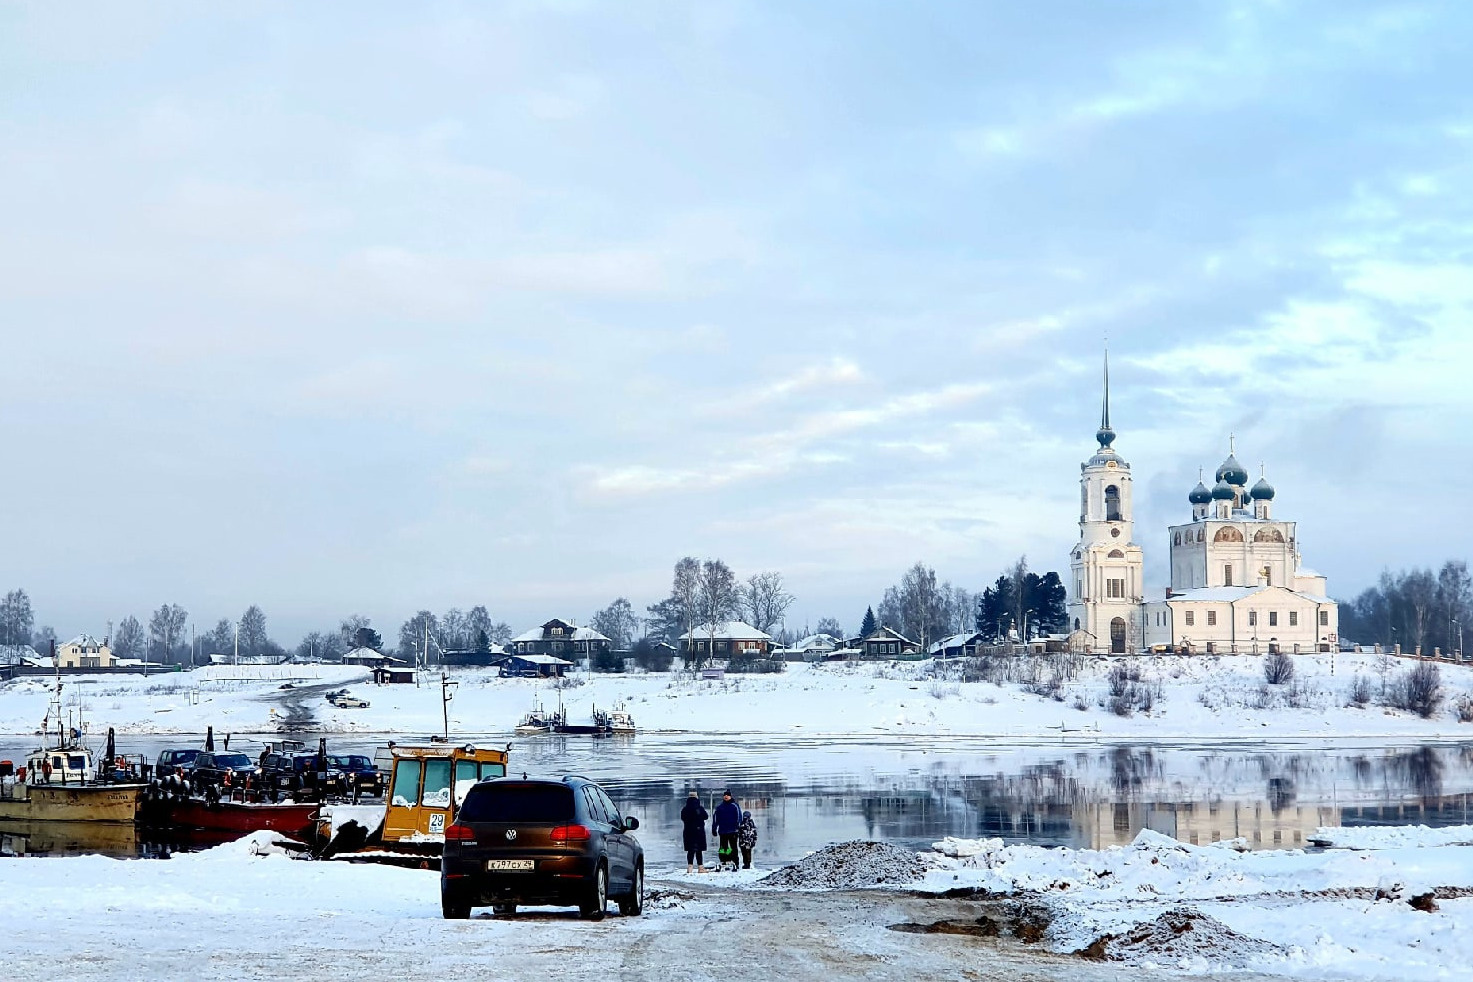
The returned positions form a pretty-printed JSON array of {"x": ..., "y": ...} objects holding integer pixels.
[
  {"x": 538, "y": 721},
  {"x": 621, "y": 720}
]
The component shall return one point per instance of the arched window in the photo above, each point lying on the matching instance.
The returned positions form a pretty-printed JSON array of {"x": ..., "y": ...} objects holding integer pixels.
[
  {"x": 1268, "y": 535},
  {"x": 1117, "y": 636},
  {"x": 1116, "y": 554},
  {"x": 1228, "y": 534},
  {"x": 1176, "y": 539},
  {"x": 1112, "y": 504},
  {"x": 1201, "y": 535}
]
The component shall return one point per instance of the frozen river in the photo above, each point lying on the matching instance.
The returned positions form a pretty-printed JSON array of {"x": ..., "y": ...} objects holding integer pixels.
[{"x": 807, "y": 791}]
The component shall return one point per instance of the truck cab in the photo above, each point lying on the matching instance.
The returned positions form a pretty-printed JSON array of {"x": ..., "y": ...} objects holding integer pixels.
[{"x": 427, "y": 783}]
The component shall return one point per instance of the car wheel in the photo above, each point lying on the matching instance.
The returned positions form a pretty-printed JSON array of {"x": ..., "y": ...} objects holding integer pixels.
[
  {"x": 453, "y": 907},
  {"x": 503, "y": 910},
  {"x": 598, "y": 895},
  {"x": 633, "y": 905}
]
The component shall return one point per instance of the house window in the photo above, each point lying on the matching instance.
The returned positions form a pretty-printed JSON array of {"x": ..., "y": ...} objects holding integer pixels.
[
  {"x": 1115, "y": 589},
  {"x": 1227, "y": 574},
  {"x": 1273, "y": 618},
  {"x": 1190, "y": 618},
  {"x": 1252, "y": 618},
  {"x": 1293, "y": 618},
  {"x": 1212, "y": 618},
  {"x": 1324, "y": 618}
]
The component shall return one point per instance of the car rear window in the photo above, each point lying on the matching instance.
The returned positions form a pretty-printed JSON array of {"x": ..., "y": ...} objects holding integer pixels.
[{"x": 518, "y": 803}]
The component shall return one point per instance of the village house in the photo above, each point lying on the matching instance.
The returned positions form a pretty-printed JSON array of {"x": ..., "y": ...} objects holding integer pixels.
[
  {"x": 888, "y": 643},
  {"x": 560, "y": 638},
  {"x": 84, "y": 651},
  {"x": 727, "y": 639}
]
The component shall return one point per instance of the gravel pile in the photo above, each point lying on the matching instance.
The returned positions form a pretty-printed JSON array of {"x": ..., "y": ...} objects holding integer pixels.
[
  {"x": 1180, "y": 934},
  {"x": 848, "y": 866}
]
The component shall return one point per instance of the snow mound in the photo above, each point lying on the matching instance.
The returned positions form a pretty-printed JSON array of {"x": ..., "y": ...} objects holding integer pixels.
[
  {"x": 255, "y": 844},
  {"x": 849, "y": 866},
  {"x": 1392, "y": 837},
  {"x": 1181, "y": 936},
  {"x": 966, "y": 848}
]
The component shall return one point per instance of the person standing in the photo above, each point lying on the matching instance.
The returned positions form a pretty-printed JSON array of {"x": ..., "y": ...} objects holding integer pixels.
[
  {"x": 724, "y": 825},
  {"x": 747, "y": 838},
  {"x": 693, "y": 816}
]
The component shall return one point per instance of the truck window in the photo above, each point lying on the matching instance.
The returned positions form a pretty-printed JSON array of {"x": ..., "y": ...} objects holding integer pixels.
[
  {"x": 437, "y": 784},
  {"x": 492, "y": 770},
  {"x": 406, "y": 783},
  {"x": 465, "y": 776}
]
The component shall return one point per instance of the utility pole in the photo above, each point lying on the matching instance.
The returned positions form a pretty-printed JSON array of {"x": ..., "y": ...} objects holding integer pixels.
[
  {"x": 235, "y": 657},
  {"x": 447, "y": 692}
]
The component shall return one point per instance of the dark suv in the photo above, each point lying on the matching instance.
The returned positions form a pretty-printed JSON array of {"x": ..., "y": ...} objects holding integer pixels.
[
  {"x": 359, "y": 772},
  {"x": 171, "y": 760},
  {"x": 519, "y": 841},
  {"x": 294, "y": 773},
  {"x": 210, "y": 768}
]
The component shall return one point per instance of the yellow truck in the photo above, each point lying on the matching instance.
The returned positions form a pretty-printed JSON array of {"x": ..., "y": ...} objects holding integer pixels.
[{"x": 426, "y": 783}]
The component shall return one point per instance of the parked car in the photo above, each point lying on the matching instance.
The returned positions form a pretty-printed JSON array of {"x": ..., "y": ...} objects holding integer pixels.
[
  {"x": 210, "y": 768},
  {"x": 540, "y": 841},
  {"x": 359, "y": 771},
  {"x": 175, "y": 760},
  {"x": 349, "y": 702},
  {"x": 294, "y": 773}
]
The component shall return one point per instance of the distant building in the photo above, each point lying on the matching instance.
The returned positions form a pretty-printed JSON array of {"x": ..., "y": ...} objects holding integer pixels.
[
  {"x": 370, "y": 658},
  {"x": 386, "y": 675},
  {"x": 726, "y": 640},
  {"x": 84, "y": 651},
  {"x": 963, "y": 645},
  {"x": 560, "y": 638},
  {"x": 815, "y": 647},
  {"x": 888, "y": 643},
  {"x": 534, "y": 666},
  {"x": 1237, "y": 583},
  {"x": 492, "y": 655}
]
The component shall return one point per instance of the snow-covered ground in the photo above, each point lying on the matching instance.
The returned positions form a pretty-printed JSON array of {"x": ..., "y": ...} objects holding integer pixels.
[
  {"x": 1199, "y": 698},
  {"x": 1331, "y": 914}
]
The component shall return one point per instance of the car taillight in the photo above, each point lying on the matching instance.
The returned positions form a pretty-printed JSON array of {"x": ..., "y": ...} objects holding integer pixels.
[
  {"x": 570, "y": 833},
  {"x": 459, "y": 833}
]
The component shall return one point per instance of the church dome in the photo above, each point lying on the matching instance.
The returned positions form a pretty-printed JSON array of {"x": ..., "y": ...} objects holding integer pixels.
[
  {"x": 1262, "y": 491},
  {"x": 1224, "y": 491},
  {"x": 1200, "y": 495},
  {"x": 1232, "y": 472}
]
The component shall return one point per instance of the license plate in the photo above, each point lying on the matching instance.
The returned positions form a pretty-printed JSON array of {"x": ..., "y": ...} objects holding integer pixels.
[{"x": 509, "y": 864}]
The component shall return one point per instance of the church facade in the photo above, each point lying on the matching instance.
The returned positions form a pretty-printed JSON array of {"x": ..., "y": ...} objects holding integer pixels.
[{"x": 1237, "y": 585}]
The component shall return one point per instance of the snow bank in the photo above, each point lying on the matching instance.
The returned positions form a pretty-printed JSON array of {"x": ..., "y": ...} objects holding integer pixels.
[
  {"x": 850, "y": 866},
  {"x": 1392, "y": 837}
]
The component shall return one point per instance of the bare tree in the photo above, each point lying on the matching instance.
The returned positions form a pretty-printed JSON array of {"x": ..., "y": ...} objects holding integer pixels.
[
  {"x": 166, "y": 630},
  {"x": 917, "y": 607},
  {"x": 253, "y": 638},
  {"x": 16, "y": 618},
  {"x": 130, "y": 641},
  {"x": 829, "y": 626},
  {"x": 765, "y": 601},
  {"x": 413, "y": 635},
  {"x": 617, "y": 623},
  {"x": 348, "y": 630},
  {"x": 453, "y": 633},
  {"x": 718, "y": 598}
]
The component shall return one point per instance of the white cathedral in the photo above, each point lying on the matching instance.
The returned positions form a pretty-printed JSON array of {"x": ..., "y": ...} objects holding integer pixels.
[{"x": 1237, "y": 586}]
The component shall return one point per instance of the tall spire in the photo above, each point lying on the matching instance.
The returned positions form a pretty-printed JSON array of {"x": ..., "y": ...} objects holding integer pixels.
[{"x": 1106, "y": 435}]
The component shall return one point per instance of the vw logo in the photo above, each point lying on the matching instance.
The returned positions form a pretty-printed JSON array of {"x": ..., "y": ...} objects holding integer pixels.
[{"x": 511, "y": 835}]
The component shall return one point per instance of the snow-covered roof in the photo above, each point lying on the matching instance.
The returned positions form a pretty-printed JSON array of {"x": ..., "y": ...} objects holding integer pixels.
[
  {"x": 364, "y": 652},
  {"x": 541, "y": 660},
  {"x": 83, "y": 641},
  {"x": 815, "y": 641},
  {"x": 577, "y": 634},
  {"x": 1232, "y": 594},
  {"x": 727, "y": 631},
  {"x": 955, "y": 641},
  {"x": 588, "y": 634},
  {"x": 890, "y": 634},
  {"x": 14, "y": 654}
]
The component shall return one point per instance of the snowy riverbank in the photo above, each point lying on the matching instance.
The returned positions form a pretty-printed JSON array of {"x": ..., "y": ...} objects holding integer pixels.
[{"x": 1195, "y": 698}]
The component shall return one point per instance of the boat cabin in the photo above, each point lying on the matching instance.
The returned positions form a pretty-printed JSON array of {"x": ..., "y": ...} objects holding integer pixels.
[
  {"x": 55, "y": 765},
  {"x": 427, "y": 782}
]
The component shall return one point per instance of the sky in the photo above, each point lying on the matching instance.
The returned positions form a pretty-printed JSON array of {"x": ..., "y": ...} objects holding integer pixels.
[{"x": 340, "y": 308}]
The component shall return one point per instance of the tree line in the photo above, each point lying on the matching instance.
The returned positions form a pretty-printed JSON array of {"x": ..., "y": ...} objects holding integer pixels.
[{"x": 1414, "y": 608}]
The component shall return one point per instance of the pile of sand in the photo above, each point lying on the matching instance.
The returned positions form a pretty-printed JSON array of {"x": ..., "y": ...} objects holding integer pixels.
[{"x": 849, "y": 866}]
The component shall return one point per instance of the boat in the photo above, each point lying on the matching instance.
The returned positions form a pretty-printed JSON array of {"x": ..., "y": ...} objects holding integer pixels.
[
  {"x": 599, "y": 727},
  {"x": 61, "y": 780},
  {"x": 621, "y": 721},
  {"x": 538, "y": 721},
  {"x": 233, "y": 818}
]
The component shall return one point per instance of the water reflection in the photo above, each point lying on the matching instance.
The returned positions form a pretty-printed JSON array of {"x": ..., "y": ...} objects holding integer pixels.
[{"x": 807, "y": 792}]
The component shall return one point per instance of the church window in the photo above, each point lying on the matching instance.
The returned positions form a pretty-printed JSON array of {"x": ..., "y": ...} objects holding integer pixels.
[
  {"x": 1176, "y": 539},
  {"x": 1293, "y": 618},
  {"x": 1268, "y": 535},
  {"x": 1212, "y": 618},
  {"x": 1116, "y": 554},
  {"x": 1227, "y": 574},
  {"x": 1268, "y": 576},
  {"x": 1112, "y": 504},
  {"x": 1115, "y": 589},
  {"x": 1191, "y": 618},
  {"x": 1200, "y": 536},
  {"x": 1228, "y": 534},
  {"x": 1076, "y": 623},
  {"x": 1273, "y": 618},
  {"x": 1252, "y": 618},
  {"x": 1324, "y": 618}
]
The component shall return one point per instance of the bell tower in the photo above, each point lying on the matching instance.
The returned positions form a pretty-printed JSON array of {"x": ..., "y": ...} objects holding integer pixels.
[{"x": 1107, "y": 590}]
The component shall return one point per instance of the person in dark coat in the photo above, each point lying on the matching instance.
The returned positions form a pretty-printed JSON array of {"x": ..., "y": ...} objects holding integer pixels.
[
  {"x": 724, "y": 823},
  {"x": 747, "y": 839},
  {"x": 693, "y": 816}
]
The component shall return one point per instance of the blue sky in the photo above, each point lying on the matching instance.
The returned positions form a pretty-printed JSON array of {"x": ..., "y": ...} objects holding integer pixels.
[{"x": 363, "y": 308}]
